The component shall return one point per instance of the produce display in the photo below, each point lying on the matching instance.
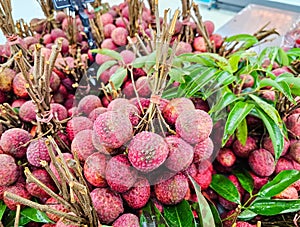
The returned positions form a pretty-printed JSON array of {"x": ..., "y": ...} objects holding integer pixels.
[{"x": 164, "y": 123}]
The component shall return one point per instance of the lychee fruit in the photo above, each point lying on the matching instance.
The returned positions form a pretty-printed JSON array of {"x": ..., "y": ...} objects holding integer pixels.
[
  {"x": 283, "y": 164},
  {"x": 13, "y": 142},
  {"x": 113, "y": 129},
  {"x": 43, "y": 176},
  {"x": 82, "y": 144},
  {"x": 288, "y": 193},
  {"x": 77, "y": 124},
  {"x": 6, "y": 79},
  {"x": 119, "y": 36},
  {"x": 175, "y": 107},
  {"x": 108, "y": 44},
  {"x": 96, "y": 112},
  {"x": 27, "y": 111},
  {"x": 243, "y": 151},
  {"x": 121, "y": 22},
  {"x": 127, "y": 220},
  {"x": 107, "y": 30},
  {"x": 147, "y": 151},
  {"x": 267, "y": 144},
  {"x": 248, "y": 80},
  {"x": 128, "y": 56},
  {"x": 143, "y": 87},
  {"x": 262, "y": 162},
  {"x": 17, "y": 189},
  {"x": 59, "y": 111},
  {"x": 258, "y": 181},
  {"x": 108, "y": 204},
  {"x": 120, "y": 175},
  {"x": 180, "y": 154},
  {"x": 138, "y": 196},
  {"x": 19, "y": 86},
  {"x": 94, "y": 169},
  {"x": 217, "y": 40},
  {"x": 37, "y": 151},
  {"x": 89, "y": 103},
  {"x": 199, "y": 44},
  {"x": 173, "y": 190},
  {"x": 9, "y": 171},
  {"x": 293, "y": 125},
  {"x": 107, "y": 19},
  {"x": 54, "y": 204},
  {"x": 203, "y": 150},
  {"x": 202, "y": 173},
  {"x": 194, "y": 126},
  {"x": 100, "y": 59},
  {"x": 295, "y": 151},
  {"x": 244, "y": 224},
  {"x": 183, "y": 48}
]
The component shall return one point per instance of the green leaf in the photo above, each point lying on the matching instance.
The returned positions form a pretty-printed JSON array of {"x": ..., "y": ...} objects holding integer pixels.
[
  {"x": 294, "y": 53},
  {"x": 247, "y": 215},
  {"x": 118, "y": 78},
  {"x": 226, "y": 99},
  {"x": 293, "y": 82},
  {"x": 215, "y": 213},
  {"x": 242, "y": 132},
  {"x": 105, "y": 66},
  {"x": 249, "y": 40},
  {"x": 35, "y": 215},
  {"x": 197, "y": 58},
  {"x": 151, "y": 215},
  {"x": 221, "y": 61},
  {"x": 280, "y": 86},
  {"x": 282, "y": 57},
  {"x": 234, "y": 62},
  {"x": 268, "y": 109},
  {"x": 110, "y": 53},
  {"x": 274, "y": 131},
  {"x": 177, "y": 74},
  {"x": 150, "y": 60},
  {"x": 279, "y": 183},
  {"x": 179, "y": 215},
  {"x": 270, "y": 207},
  {"x": 2, "y": 208},
  {"x": 139, "y": 62},
  {"x": 235, "y": 117},
  {"x": 9, "y": 219},
  {"x": 225, "y": 188},
  {"x": 207, "y": 218},
  {"x": 245, "y": 179}
]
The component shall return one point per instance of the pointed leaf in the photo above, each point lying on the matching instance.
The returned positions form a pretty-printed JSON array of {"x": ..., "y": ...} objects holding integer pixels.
[
  {"x": 227, "y": 98},
  {"x": 242, "y": 132},
  {"x": 35, "y": 215},
  {"x": 179, "y": 215},
  {"x": 205, "y": 211},
  {"x": 293, "y": 82},
  {"x": 235, "y": 117},
  {"x": 197, "y": 58},
  {"x": 225, "y": 188},
  {"x": 234, "y": 62},
  {"x": 177, "y": 74},
  {"x": 270, "y": 207},
  {"x": 152, "y": 216},
  {"x": 139, "y": 62},
  {"x": 274, "y": 131},
  {"x": 105, "y": 66},
  {"x": 2, "y": 209},
  {"x": 249, "y": 40},
  {"x": 245, "y": 179},
  {"x": 110, "y": 53},
  {"x": 247, "y": 215},
  {"x": 282, "y": 57},
  {"x": 279, "y": 183},
  {"x": 118, "y": 78}
]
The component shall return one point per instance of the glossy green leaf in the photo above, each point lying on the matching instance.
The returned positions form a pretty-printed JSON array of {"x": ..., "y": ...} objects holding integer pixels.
[
  {"x": 235, "y": 117},
  {"x": 150, "y": 61},
  {"x": 118, "y": 78},
  {"x": 282, "y": 57},
  {"x": 268, "y": 53},
  {"x": 221, "y": 61},
  {"x": 197, "y": 58},
  {"x": 152, "y": 216},
  {"x": 274, "y": 131},
  {"x": 245, "y": 179},
  {"x": 225, "y": 188},
  {"x": 242, "y": 132},
  {"x": 270, "y": 207},
  {"x": 234, "y": 62},
  {"x": 293, "y": 82},
  {"x": 9, "y": 219},
  {"x": 110, "y": 53},
  {"x": 2, "y": 208},
  {"x": 177, "y": 74},
  {"x": 215, "y": 213},
  {"x": 207, "y": 218},
  {"x": 179, "y": 215},
  {"x": 280, "y": 182},
  {"x": 226, "y": 99},
  {"x": 249, "y": 40},
  {"x": 293, "y": 53},
  {"x": 268, "y": 109},
  {"x": 247, "y": 215},
  {"x": 139, "y": 62},
  {"x": 35, "y": 215},
  {"x": 105, "y": 66},
  {"x": 280, "y": 86}
]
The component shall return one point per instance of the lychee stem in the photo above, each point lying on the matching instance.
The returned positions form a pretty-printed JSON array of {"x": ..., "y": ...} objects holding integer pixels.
[{"x": 17, "y": 217}]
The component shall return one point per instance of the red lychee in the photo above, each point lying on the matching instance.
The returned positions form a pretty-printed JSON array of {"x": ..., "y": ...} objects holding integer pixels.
[
  {"x": 108, "y": 44},
  {"x": 59, "y": 111},
  {"x": 138, "y": 196},
  {"x": 128, "y": 56},
  {"x": 107, "y": 19},
  {"x": 37, "y": 151},
  {"x": 119, "y": 36},
  {"x": 19, "y": 86},
  {"x": 267, "y": 144},
  {"x": 199, "y": 44},
  {"x": 248, "y": 80},
  {"x": 127, "y": 220},
  {"x": 13, "y": 142},
  {"x": 293, "y": 125},
  {"x": 147, "y": 151},
  {"x": 108, "y": 204},
  {"x": 194, "y": 126},
  {"x": 202, "y": 173},
  {"x": 107, "y": 29},
  {"x": 283, "y": 164},
  {"x": 96, "y": 112},
  {"x": 295, "y": 151},
  {"x": 243, "y": 224},
  {"x": 262, "y": 162},
  {"x": 203, "y": 150},
  {"x": 94, "y": 169},
  {"x": 113, "y": 129},
  {"x": 27, "y": 111},
  {"x": 183, "y": 48},
  {"x": 180, "y": 154},
  {"x": 226, "y": 157},
  {"x": 82, "y": 144},
  {"x": 77, "y": 124},
  {"x": 258, "y": 181},
  {"x": 19, "y": 190},
  {"x": 175, "y": 107},
  {"x": 89, "y": 103},
  {"x": 54, "y": 204},
  {"x": 9, "y": 171},
  {"x": 288, "y": 193},
  {"x": 243, "y": 151},
  {"x": 173, "y": 190},
  {"x": 143, "y": 87}
]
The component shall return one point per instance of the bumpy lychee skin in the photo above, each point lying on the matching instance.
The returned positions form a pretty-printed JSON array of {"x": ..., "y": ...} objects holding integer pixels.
[
  {"x": 19, "y": 86},
  {"x": 9, "y": 170},
  {"x": 89, "y": 103},
  {"x": 113, "y": 129},
  {"x": 19, "y": 190},
  {"x": 267, "y": 144},
  {"x": 6, "y": 79},
  {"x": 127, "y": 220},
  {"x": 147, "y": 151},
  {"x": 283, "y": 164},
  {"x": 175, "y": 107},
  {"x": 59, "y": 111},
  {"x": 143, "y": 87},
  {"x": 27, "y": 111},
  {"x": 63, "y": 223},
  {"x": 180, "y": 154},
  {"x": 248, "y": 80},
  {"x": 96, "y": 112},
  {"x": 261, "y": 162},
  {"x": 194, "y": 126},
  {"x": 288, "y": 193},
  {"x": 13, "y": 141},
  {"x": 54, "y": 204},
  {"x": 82, "y": 144},
  {"x": 295, "y": 151},
  {"x": 243, "y": 151},
  {"x": 226, "y": 157},
  {"x": 119, "y": 36},
  {"x": 201, "y": 172},
  {"x": 138, "y": 196},
  {"x": 108, "y": 205},
  {"x": 37, "y": 151},
  {"x": 203, "y": 150},
  {"x": 293, "y": 125},
  {"x": 94, "y": 169},
  {"x": 77, "y": 124},
  {"x": 258, "y": 181},
  {"x": 43, "y": 176},
  {"x": 244, "y": 224},
  {"x": 120, "y": 175},
  {"x": 173, "y": 190}
]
